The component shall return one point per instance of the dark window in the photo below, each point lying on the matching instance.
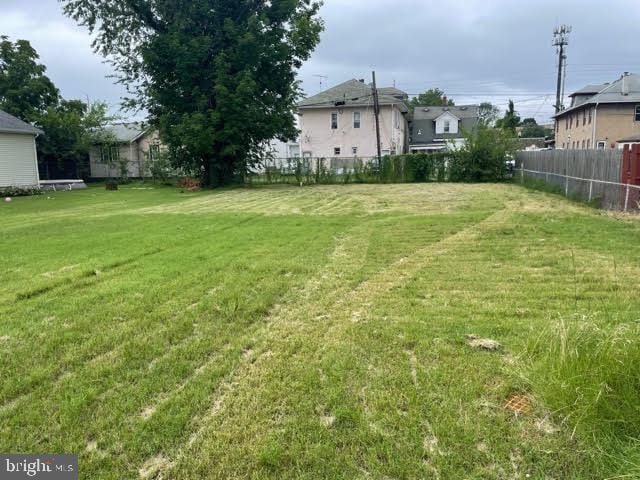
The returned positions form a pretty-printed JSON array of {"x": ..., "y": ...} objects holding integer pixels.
[
  {"x": 354, "y": 150},
  {"x": 109, "y": 154},
  {"x": 447, "y": 126},
  {"x": 566, "y": 122},
  {"x": 356, "y": 119},
  {"x": 637, "y": 113},
  {"x": 590, "y": 115},
  {"x": 571, "y": 121},
  {"x": 334, "y": 120},
  {"x": 336, "y": 151},
  {"x": 584, "y": 117}
]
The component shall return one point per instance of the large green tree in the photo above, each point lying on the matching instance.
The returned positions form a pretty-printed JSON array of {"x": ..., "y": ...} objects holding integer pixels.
[
  {"x": 433, "y": 97},
  {"x": 217, "y": 77},
  {"x": 488, "y": 113},
  {"x": 25, "y": 90}
]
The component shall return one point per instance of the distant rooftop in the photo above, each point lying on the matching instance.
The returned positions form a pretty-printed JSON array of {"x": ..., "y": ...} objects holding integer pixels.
[
  {"x": 625, "y": 89},
  {"x": 354, "y": 93},
  {"x": 126, "y": 132},
  {"x": 11, "y": 124},
  {"x": 431, "y": 113}
]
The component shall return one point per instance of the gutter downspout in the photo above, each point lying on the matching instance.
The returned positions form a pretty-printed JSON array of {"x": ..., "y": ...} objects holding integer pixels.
[{"x": 595, "y": 122}]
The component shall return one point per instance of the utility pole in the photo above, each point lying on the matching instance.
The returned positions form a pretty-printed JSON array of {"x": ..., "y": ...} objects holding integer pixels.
[
  {"x": 376, "y": 112},
  {"x": 561, "y": 40}
]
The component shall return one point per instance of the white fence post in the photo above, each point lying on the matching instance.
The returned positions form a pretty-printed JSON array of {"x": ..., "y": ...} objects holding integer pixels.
[
  {"x": 590, "y": 190},
  {"x": 566, "y": 185}
]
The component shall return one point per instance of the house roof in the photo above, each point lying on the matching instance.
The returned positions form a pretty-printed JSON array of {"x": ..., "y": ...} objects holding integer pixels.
[
  {"x": 11, "y": 124},
  {"x": 431, "y": 113},
  {"x": 625, "y": 89},
  {"x": 354, "y": 93},
  {"x": 126, "y": 132},
  {"x": 589, "y": 89}
]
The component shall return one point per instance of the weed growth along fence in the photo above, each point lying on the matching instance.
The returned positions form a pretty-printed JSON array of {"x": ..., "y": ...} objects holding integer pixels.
[
  {"x": 391, "y": 169},
  {"x": 594, "y": 176}
]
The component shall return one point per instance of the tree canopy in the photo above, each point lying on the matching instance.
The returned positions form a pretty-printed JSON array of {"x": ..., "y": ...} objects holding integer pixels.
[
  {"x": 217, "y": 77},
  {"x": 511, "y": 119},
  {"x": 431, "y": 98},
  {"x": 488, "y": 113},
  {"x": 69, "y": 126},
  {"x": 25, "y": 91}
]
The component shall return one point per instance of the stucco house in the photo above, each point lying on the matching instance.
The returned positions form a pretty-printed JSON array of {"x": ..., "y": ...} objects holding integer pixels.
[
  {"x": 340, "y": 122},
  {"x": 601, "y": 116},
  {"x": 18, "y": 154},
  {"x": 439, "y": 128},
  {"x": 130, "y": 148}
]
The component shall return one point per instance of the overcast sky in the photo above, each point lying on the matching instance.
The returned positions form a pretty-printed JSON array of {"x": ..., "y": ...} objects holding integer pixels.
[{"x": 475, "y": 50}]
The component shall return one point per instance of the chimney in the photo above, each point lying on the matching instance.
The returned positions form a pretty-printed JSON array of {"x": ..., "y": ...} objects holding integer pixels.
[
  {"x": 444, "y": 101},
  {"x": 625, "y": 84},
  {"x": 362, "y": 80}
]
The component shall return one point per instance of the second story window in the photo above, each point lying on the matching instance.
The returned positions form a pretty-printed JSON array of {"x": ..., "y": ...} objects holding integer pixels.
[
  {"x": 584, "y": 117},
  {"x": 334, "y": 120},
  {"x": 336, "y": 151},
  {"x": 590, "y": 115},
  {"x": 356, "y": 119},
  {"x": 571, "y": 121},
  {"x": 447, "y": 126},
  {"x": 637, "y": 113}
]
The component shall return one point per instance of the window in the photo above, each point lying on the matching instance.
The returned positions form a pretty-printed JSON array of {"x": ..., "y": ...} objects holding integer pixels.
[
  {"x": 602, "y": 145},
  {"x": 557, "y": 126},
  {"x": 590, "y": 114},
  {"x": 566, "y": 122},
  {"x": 354, "y": 150},
  {"x": 334, "y": 120},
  {"x": 336, "y": 151},
  {"x": 571, "y": 121},
  {"x": 356, "y": 119},
  {"x": 637, "y": 113},
  {"x": 563, "y": 145},
  {"x": 109, "y": 154},
  {"x": 154, "y": 152},
  {"x": 584, "y": 144},
  {"x": 447, "y": 126},
  {"x": 589, "y": 143},
  {"x": 584, "y": 118}
]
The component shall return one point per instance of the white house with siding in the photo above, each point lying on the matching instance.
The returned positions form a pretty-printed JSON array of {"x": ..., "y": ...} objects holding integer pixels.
[
  {"x": 18, "y": 155},
  {"x": 340, "y": 122}
]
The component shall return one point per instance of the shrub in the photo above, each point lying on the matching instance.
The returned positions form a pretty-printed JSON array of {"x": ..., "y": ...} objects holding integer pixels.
[
  {"x": 19, "y": 191},
  {"x": 484, "y": 155}
]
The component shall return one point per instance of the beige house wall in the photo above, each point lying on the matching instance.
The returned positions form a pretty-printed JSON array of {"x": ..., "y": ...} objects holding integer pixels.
[
  {"x": 135, "y": 153},
  {"x": 318, "y": 139},
  {"x": 609, "y": 123}
]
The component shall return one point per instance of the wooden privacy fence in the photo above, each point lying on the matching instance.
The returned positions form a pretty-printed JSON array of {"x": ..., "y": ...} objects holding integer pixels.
[{"x": 610, "y": 178}]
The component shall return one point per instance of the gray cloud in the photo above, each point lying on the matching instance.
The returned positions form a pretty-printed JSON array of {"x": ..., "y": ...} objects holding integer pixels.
[{"x": 474, "y": 49}]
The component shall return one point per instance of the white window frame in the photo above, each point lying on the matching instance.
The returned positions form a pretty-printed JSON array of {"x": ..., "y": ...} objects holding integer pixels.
[
  {"x": 334, "y": 115},
  {"x": 601, "y": 145},
  {"x": 357, "y": 123},
  {"x": 446, "y": 127},
  {"x": 637, "y": 114}
]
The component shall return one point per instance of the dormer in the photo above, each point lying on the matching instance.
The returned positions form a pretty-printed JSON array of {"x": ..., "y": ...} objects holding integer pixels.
[{"x": 447, "y": 123}]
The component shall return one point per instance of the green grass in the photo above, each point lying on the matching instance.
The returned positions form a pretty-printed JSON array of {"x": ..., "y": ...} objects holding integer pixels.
[{"x": 319, "y": 332}]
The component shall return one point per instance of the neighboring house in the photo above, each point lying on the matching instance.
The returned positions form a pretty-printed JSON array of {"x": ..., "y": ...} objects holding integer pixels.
[
  {"x": 18, "y": 155},
  {"x": 439, "y": 128},
  {"x": 601, "y": 116},
  {"x": 340, "y": 122},
  {"x": 130, "y": 149},
  {"x": 285, "y": 150}
]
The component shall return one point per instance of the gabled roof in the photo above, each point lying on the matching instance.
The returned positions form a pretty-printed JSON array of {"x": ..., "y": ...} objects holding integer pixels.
[
  {"x": 11, "y": 124},
  {"x": 126, "y": 132},
  {"x": 625, "y": 89},
  {"x": 589, "y": 89},
  {"x": 431, "y": 113},
  {"x": 354, "y": 93}
]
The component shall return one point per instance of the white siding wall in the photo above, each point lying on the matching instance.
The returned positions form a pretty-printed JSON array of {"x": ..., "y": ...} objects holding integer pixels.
[
  {"x": 18, "y": 160},
  {"x": 319, "y": 140},
  {"x": 446, "y": 117}
]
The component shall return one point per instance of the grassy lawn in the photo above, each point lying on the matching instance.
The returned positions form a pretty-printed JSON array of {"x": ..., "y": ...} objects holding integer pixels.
[{"x": 320, "y": 332}]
